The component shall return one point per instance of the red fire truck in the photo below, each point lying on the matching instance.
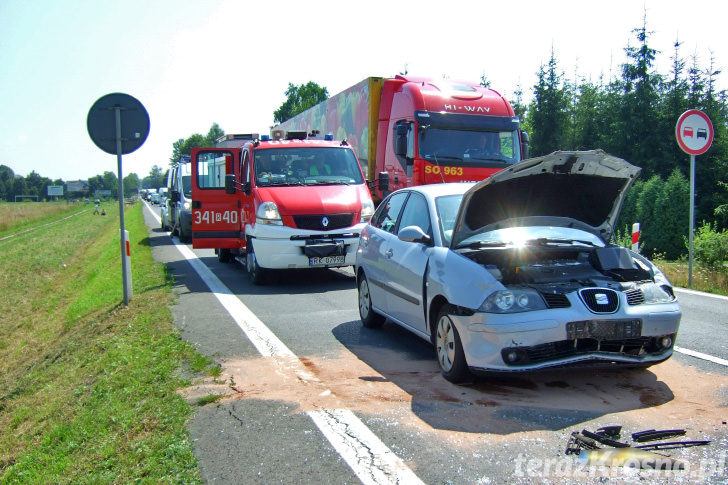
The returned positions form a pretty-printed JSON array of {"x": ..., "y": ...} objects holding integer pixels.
[
  {"x": 284, "y": 203},
  {"x": 412, "y": 131}
]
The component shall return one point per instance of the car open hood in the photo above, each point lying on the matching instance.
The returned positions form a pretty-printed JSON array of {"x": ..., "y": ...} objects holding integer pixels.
[{"x": 578, "y": 189}]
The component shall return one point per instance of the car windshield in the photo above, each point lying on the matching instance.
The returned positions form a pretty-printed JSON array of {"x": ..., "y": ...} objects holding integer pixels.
[
  {"x": 187, "y": 186},
  {"x": 447, "y": 211},
  {"x": 307, "y": 166},
  {"x": 532, "y": 235},
  {"x": 476, "y": 147}
]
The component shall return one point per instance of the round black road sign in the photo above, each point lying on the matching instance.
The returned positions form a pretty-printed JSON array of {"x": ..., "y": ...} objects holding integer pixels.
[{"x": 134, "y": 121}]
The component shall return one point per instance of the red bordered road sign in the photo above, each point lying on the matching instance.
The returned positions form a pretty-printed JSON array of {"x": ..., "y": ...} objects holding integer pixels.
[{"x": 694, "y": 132}]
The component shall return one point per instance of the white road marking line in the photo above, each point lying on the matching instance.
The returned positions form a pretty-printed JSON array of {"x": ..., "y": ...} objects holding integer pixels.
[
  {"x": 370, "y": 459},
  {"x": 363, "y": 451},
  {"x": 701, "y": 293},
  {"x": 700, "y": 355}
]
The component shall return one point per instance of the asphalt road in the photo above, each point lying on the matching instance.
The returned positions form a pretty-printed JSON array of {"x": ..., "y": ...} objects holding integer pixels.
[{"x": 310, "y": 396}]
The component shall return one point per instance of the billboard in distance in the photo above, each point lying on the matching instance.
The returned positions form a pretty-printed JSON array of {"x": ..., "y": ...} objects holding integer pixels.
[
  {"x": 55, "y": 190},
  {"x": 77, "y": 186}
]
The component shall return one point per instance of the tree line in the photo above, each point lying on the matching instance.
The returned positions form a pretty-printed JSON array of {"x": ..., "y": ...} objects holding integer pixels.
[
  {"x": 36, "y": 186},
  {"x": 633, "y": 115}
]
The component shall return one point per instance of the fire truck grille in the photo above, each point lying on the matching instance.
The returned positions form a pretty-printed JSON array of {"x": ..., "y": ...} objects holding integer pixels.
[{"x": 325, "y": 222}]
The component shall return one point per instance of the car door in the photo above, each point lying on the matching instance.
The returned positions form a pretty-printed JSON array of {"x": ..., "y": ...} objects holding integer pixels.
[
  {"x": 407, "y": 266},
  {"x": 374, "y": 251},
  {"x": 216, "y": 221}
]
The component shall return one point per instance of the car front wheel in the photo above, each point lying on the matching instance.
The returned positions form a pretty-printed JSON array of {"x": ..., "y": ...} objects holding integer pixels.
[
  {"x": 450, "y": 354},
  {"x": 369, "y": 318}
]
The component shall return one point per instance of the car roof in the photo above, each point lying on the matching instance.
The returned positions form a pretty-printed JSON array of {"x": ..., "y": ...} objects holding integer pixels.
[{"x": 433, "y": 191}]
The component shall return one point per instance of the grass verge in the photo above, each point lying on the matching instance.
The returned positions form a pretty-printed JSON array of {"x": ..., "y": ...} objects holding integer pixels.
[
  {"x": 709, "y": 281},
  {"x": 88, "y": 386},
  {"x": 19, "y": 215}
]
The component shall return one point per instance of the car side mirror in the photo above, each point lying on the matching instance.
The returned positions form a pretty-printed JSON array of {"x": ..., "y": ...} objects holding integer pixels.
[{"x": 414, "y": 234}]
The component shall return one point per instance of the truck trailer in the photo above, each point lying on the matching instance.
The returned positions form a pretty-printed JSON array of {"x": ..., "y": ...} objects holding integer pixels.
[{"x": 411, "y": 130}]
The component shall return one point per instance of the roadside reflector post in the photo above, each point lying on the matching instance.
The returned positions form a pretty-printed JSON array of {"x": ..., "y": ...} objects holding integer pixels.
[
  {"x": 127, "y": 266},
  {"x": 636, "y": 237}
]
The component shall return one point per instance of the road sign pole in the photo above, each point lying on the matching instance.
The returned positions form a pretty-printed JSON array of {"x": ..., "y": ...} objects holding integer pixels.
[
  {"x": 694, "y": 133},
  {"x": 125, "y": 270},
  {"x": 691, "y": 234},
  {"x": 104, "y": 127}
]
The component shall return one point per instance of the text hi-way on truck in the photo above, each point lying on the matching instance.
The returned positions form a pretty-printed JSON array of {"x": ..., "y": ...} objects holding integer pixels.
[
  {"x": 284, "y": 203},
  {"x": 413, "y": 131}
]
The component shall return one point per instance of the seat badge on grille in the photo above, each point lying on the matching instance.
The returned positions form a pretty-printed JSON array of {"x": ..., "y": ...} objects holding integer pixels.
[
  {"x": 325, "y": 221},
  {"x": 602, "y": 298}
]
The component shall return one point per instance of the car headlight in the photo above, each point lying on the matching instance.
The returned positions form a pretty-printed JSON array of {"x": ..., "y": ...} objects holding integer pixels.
[
  {"x": 654, "y": 293},
  {"x": 186, "y": 206},
  {"x": 367, "y": 210},
  {"x": 513, "y": 301},
  {"x": 267, "y": 213}
]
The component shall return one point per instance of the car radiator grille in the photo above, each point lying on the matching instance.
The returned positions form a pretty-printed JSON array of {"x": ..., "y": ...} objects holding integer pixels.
[
  {"x": 556, "y": 300},
  {"x": 600, "y": 300},
  {"x": 635, "y": 297},
  {"x": 324, "y": 222}
]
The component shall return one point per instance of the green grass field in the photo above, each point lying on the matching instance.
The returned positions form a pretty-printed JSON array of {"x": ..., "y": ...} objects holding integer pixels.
[{"x": 88, "y": 386}]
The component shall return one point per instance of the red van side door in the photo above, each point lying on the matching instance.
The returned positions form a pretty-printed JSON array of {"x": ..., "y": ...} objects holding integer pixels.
[{"x": 216, "y": 215}]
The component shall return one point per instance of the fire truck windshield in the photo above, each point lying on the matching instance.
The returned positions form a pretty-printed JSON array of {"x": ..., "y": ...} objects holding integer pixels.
[{"x": 306, "y": 166}]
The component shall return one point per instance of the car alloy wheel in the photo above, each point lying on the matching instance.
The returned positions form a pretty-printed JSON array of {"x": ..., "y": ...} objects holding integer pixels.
[
  {"x": 369, "y": 318},
  {"x": 450, "y": 354}
]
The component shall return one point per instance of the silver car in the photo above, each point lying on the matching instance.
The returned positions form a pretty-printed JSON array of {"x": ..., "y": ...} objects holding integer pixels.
[{"x": 517, "y": 273}]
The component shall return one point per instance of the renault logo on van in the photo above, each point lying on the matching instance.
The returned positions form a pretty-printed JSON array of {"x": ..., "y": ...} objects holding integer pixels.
[{"x": 325, "y": 221}]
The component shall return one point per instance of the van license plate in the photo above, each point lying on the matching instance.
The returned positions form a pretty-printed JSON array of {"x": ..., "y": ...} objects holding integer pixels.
[{"x": 326, "y": 260}]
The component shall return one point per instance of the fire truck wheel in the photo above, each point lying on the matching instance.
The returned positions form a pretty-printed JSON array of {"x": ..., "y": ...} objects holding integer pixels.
[
  {"x": 256, "y": 273},
  {"x": 224, "y": 255},
  {"x": 184, "y": 236}
]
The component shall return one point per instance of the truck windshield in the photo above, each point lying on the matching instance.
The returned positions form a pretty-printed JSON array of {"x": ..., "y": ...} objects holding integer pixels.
[
  {"x": 306, "y": 166},
  {"x": 479, "y": 148}
]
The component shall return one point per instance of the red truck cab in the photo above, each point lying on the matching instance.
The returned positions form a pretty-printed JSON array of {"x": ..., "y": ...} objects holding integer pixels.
[
  {"x": 443, "y": 131},
  {"x": 285, "y": 203},
  {"x": 410, "y": 130}
]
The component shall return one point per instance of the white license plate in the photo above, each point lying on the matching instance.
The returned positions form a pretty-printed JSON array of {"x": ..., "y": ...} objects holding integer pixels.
[{"x": 326, "y": 260}]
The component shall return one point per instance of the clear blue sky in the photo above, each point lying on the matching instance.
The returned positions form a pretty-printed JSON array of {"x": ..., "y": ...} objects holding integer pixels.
[{"x": 195, "y": 62}]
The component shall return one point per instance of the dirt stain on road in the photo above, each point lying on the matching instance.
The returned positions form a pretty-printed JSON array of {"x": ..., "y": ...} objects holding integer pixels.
[{"x": 414, "y": 393}]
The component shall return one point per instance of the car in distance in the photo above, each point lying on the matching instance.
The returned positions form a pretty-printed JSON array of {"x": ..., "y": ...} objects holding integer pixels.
[
  {"x": 164, "y": 215},
  {"x": 517, "y": 273}
]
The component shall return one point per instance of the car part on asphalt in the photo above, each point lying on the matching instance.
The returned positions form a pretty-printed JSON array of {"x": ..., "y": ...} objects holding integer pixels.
[
  {"x": 652, "y": 435},
  {"x": 587, "y": 440}
]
